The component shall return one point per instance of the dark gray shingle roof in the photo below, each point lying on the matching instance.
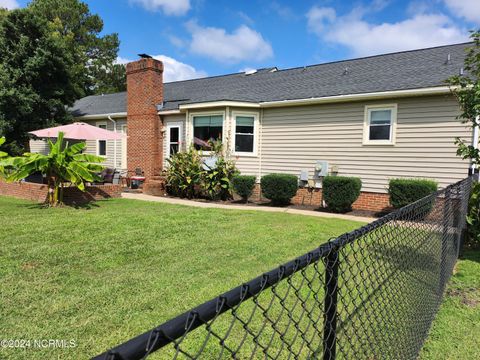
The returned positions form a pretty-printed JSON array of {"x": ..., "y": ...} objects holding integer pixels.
[{"x": 397, "y": 71}]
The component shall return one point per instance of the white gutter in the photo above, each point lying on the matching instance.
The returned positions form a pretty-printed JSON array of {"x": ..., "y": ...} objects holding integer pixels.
[
  {"x": 439, "y": 90},
  {"x": 114, "y": 141},
  {"x": 219, "y": 104},
  {"x": 169, "y": 112},
  {"x": 363, "y": 96},
  {"x": 101, "y": 116}
]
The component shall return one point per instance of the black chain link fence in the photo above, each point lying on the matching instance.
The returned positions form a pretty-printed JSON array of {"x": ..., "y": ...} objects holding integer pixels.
[{"x": 368, "y": 294}]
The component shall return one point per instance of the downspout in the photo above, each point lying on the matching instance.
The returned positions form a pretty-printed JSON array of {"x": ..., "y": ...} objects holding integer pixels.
[
  {"x": 475, "y": 141},
  {"x": 260, "y": 144},
  {"x": 114, "y": 142}
]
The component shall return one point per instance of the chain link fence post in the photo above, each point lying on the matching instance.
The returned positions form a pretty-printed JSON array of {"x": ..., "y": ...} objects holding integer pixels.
[{"x": 330, "y": 306}]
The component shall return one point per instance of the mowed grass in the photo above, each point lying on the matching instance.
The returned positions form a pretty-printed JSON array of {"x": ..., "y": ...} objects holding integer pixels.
[
  {"x": 99, "y": 276},
  {"x": 454, "y": 334}
]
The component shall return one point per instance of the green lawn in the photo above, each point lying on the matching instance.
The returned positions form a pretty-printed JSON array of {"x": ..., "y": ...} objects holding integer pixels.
[
  {"x": 456, "y": 329},
  {"x": 102, "y": 275}
]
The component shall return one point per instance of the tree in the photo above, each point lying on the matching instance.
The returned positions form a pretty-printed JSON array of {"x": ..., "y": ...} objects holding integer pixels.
[
  {"x": 64, "y": 163},
  {"x": 94, "y": 55},
  {"x": 51, "y": 53},
  {"x": 466, "y": 88},
  {"x": 111, "y": 79},
  {"x": 36, "y": 77}
]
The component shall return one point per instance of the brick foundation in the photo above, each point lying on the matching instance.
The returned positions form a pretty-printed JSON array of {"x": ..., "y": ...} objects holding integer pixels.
[
  {"x": 313, "y": 197},
  {"x": 144, "y": 93},
  {"x": 71, "y": 196}
]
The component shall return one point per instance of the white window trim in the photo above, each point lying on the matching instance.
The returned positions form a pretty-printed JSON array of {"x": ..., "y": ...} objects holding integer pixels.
[
  {"x": 191, "y": 115},
  {"x": 98, "y": 124},
  {"x": 170, "y": 125},
  {"x": 366, "y": 124},
  {"x": 255, "y": 116}
]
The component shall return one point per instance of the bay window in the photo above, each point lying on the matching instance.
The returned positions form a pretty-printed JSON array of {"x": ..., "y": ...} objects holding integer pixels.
[{"x": 206, "y": 128}]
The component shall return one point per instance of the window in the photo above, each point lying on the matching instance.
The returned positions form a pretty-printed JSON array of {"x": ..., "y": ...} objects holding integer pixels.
[
  {"x": 174, "y": 137},
  {"x": 205, "y": 129},
  {"x": 174, "y": 140},
  {"x": 244, "y": 134},
  {"x": 102, "y": 144},
  {"x": 380, "y": 125}
]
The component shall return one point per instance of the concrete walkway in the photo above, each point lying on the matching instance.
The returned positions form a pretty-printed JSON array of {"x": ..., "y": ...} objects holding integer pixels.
[{"x": 167, "y": 200}]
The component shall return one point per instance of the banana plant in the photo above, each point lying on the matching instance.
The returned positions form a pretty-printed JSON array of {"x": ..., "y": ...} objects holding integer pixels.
[{"x": 64, "y": 164}]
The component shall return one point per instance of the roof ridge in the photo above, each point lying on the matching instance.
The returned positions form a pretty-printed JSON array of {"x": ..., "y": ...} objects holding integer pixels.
[{"x": 376, "y": 56}]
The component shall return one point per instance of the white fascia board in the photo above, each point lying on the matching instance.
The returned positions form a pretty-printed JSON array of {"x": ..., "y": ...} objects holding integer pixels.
[
  {"x": 101, "y": 116},
  {"x": 364, "y": 96},
  {"x": 170, "y": 112},
  {"x": 211, "y": 104}
]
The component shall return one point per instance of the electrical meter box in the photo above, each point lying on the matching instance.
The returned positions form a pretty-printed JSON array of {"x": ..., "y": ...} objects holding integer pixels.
[
  {"x": 321, "y": 168},
  {"x": 304, "y": 175}
]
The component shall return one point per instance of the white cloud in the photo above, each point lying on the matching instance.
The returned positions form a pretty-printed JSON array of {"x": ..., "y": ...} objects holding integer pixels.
[
  {"x": 176, "y": 41},
  {"x": 173, "y": 70},
  {"x": 240, "y": 45},
  {"x": 9, "y": 4},
  {"x": 247, "y": 69},
  {"x": 169, "y": 7},
  {"x": 468, "y": 9},
  {"x": 363, "y": 38}
]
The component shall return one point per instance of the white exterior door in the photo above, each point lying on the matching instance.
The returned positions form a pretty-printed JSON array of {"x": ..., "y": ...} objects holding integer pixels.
[{"x": 174, "y": 137}]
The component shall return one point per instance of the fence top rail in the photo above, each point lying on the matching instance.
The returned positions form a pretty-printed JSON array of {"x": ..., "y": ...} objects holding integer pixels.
[{"x": 171, "y": 330}]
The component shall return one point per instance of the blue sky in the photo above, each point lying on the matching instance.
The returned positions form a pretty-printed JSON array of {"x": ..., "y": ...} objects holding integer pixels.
[{"x": 196, "y": 38}]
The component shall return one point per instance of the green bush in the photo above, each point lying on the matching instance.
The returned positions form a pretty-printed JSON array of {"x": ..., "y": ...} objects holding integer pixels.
[
  {"x": 279, "y": 188},
  {"x": 185, "y": 173},
  {"x": 405, "y": 191},
  {"x": 473, "y": 218},
  {"x": 340, "y": 192},
  {"x": 189, "y": 176},
  {"x": 243, "y": 185}
]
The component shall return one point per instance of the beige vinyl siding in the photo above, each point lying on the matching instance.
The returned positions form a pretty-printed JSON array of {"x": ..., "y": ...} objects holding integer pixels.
[
  {"x": 295, "y": 137},
  {"x": 170, "y": 119},
  {"x": 39, "y": 146},
  {"x": 109, "y": 159}
]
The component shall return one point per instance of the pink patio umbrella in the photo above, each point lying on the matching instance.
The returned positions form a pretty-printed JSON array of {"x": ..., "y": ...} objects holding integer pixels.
[{"x": 78, "y": 131}]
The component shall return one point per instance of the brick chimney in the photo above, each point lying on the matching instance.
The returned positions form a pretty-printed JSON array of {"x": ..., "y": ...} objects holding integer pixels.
[{"x": 144, "y": 93}]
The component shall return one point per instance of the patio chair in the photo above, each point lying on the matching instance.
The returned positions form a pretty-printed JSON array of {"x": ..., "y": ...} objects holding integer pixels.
[{"x": 106, "y": 176}]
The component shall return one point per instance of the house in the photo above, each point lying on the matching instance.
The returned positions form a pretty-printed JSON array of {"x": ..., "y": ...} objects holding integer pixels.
[{"x": 377, "y": 117}]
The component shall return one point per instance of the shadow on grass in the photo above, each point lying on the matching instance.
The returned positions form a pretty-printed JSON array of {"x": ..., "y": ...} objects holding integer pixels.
[{"x": 84, "y": 206}]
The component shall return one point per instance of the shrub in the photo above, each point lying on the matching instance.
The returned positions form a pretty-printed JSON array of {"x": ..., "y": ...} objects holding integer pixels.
[
  {"x": 473, "y": 218},
  {"x": 243, "y": 185},
  {"x": 340, "y": 192},
  {"x": 217, "y": 179},
  {"x": 279, "y": 188},
  {"x": 188, "y": 175},
  {"x": 405, "y": 191},
  {"x": 185, "y": 173}
]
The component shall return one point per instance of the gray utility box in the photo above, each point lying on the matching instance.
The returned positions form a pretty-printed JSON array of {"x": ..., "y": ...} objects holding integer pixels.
[{"x": 321, "y": 169}]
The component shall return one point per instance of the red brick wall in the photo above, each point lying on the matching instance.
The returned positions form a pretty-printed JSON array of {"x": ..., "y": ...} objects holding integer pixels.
[
  {"x": 372, "y": 201},
  {"x": 24, "y": 190},
  {"x": 305, "y": 196},
  {"x": 73, "y": 196},
  {"x": 144, "y": 93}
]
